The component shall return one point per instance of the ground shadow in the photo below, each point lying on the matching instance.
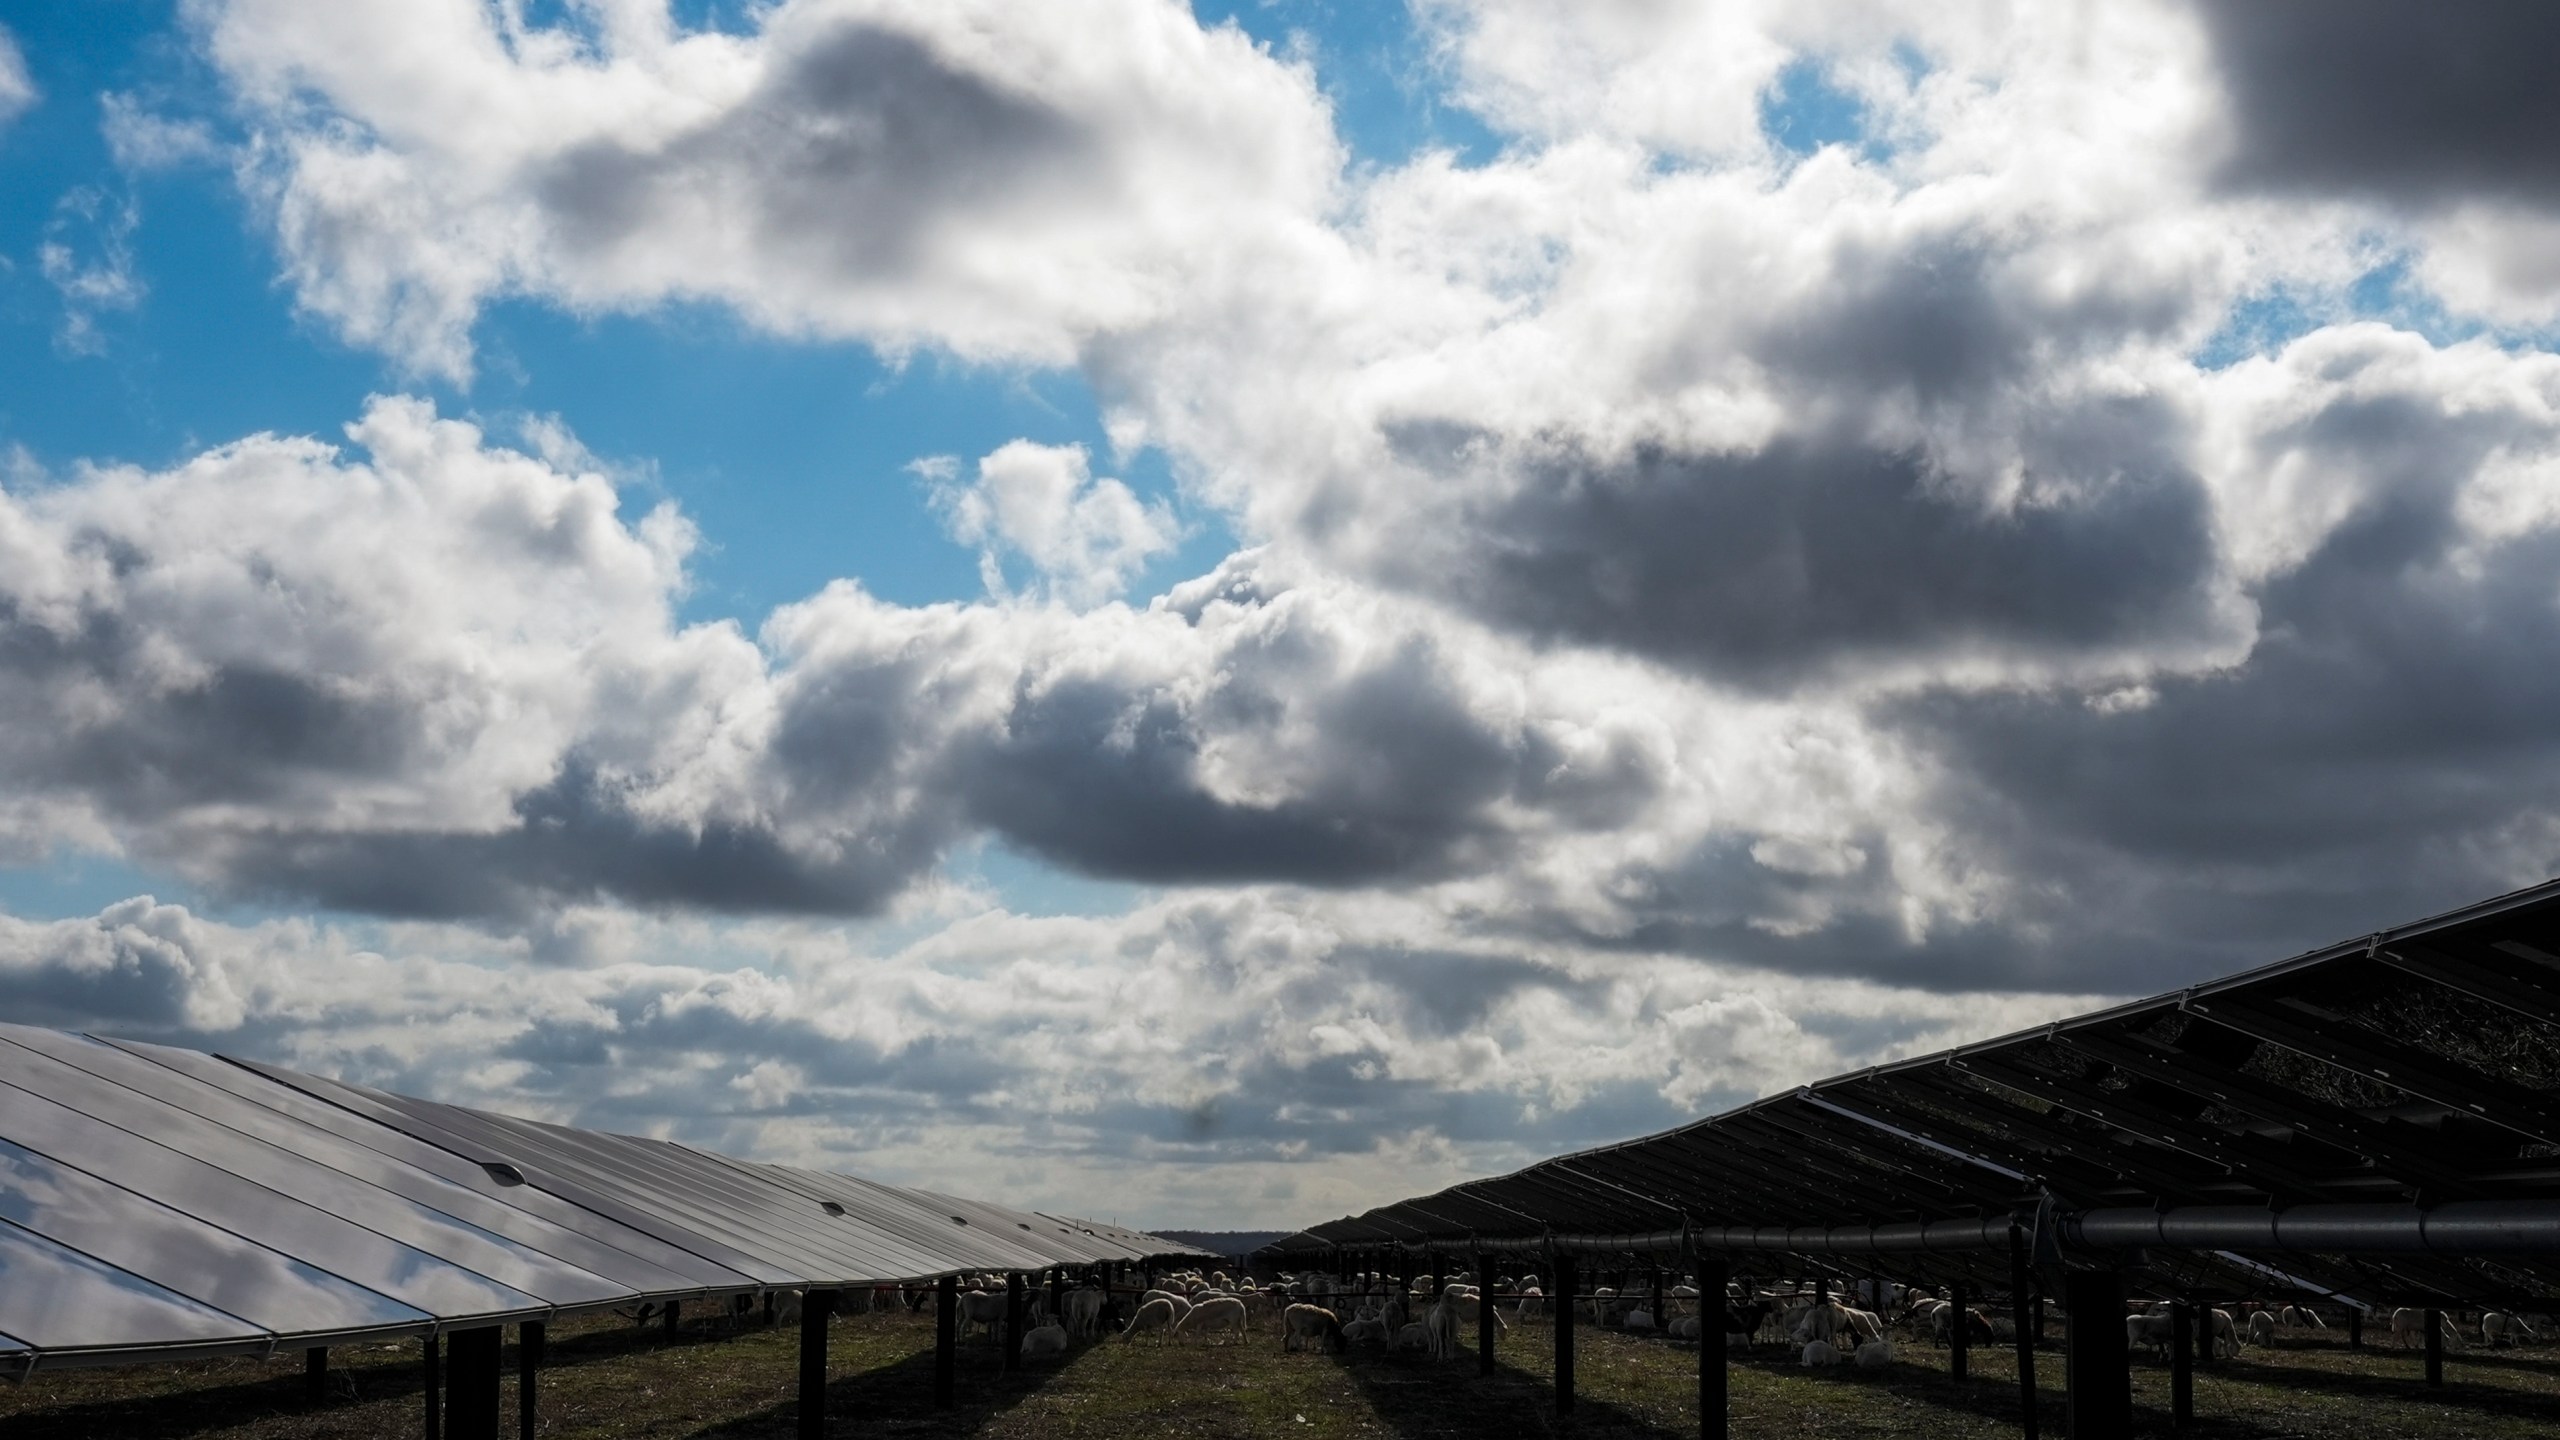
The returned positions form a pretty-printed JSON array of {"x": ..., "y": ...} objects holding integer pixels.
[
  {"x": 360, "y": 1377},
  {"x": 898, "y": 1396},
  {"x": 1432, "y": 1400}
]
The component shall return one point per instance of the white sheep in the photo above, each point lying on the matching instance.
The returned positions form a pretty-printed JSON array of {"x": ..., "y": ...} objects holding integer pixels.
[
  {"x": 1310, "y": 1325},
  {"x": 1156, "y": 1315},
  {"x": 1818, "y": 1353},
  {"x": 1223, "y": 1312},
  {"x": 1044, "y": 1342}
]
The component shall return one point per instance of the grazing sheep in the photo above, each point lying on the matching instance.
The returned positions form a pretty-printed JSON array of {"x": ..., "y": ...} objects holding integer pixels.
[
  {"x": 1440, "y": 1327},
  {"x": 1639, "y": 1320},
  {"x": 2262, "y": 1328},
  {"x": 1310, "y": 1325},
  {"x": 1875, "y": 1355},
  {"x": 1818, "y": 1353},
  {"x": 2409, "y": 1327},
  {"x": 2498, "y": 1327},
  {"x": 1224, "y": 1312},
  {"x": 1156, "y": 1316},
  {"x": 1044, "y": 1342}
]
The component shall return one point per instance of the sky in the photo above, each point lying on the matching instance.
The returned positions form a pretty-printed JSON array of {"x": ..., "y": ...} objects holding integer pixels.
[{"x": 1215, "y": 615}]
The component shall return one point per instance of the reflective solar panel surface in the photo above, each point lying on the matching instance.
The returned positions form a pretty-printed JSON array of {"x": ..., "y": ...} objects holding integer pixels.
[
  {"x": 156, "y": 1201},
  {"x": 2387, "y": 1075}
]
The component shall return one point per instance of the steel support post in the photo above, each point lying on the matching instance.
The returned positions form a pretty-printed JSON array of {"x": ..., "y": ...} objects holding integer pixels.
[
  {"x": 946, "y": 1338},
  {"x": 669, "y": 1319},
  {"x": 1058, "y": 1296},
  {"x": 1484, "y": 1315},
  {"x": 1013, "y": 1320},
  {"x": 471, "y": 1384},
  {"x": 434, "y": 1356},
  {"x": 2355, "y": 1327},
  {"x": 2023, "y": 1310},
  {"x": 815, "y": 1307},
  {"x": 530, "y": 1337},
  {"x": 315, "y": 1372},
  {"x": 2097, "y": 1365},
  {"x": 2435, "y": 1348},
  {"x": 1959, "y": 1334},
  {"x": 2182, "y": 1363},
  {"x": 1565, "y": 1306},
  {"x": 1714, "y": 1409}
]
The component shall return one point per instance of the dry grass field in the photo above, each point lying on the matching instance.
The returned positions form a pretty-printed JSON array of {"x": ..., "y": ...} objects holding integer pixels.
[{"x": 710, "y": 1383}]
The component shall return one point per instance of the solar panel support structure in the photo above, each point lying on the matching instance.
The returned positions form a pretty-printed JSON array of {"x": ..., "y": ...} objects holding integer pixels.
[
  {"x": 1715, "y": 1417},
  {"x": 2096, "y": 1366},
  {"x": 1012, "y": 1320},
  {"x": 2435, "y": 1348},
  {"x": 2182, "y": 1362},
  {"x": 946, "y": 1339},
  {"x": 2022, "y": 1316},
  {"x": 471, "y": 1383},
  {"x": 432, "y": 1360},
  {"x": 1959, "y": 1332},
  {"x": 1566, "y": 1286},
  {"x": 815, "y": 1308},
  {"x": 670, "y": 1319},
  {"x": 2355, "y": 1327},
  {"x": 530, "y": 1338},
  {"x": 315, "y": 1372},
  {"x": 1485, "y": 1320}
]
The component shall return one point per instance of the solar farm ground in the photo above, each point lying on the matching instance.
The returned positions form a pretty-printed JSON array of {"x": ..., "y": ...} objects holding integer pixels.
[{"x": 609, "y": 1379}]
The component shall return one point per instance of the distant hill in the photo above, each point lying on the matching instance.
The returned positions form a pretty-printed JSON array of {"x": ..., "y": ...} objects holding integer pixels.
[{"x": 1225, "y": 1242}]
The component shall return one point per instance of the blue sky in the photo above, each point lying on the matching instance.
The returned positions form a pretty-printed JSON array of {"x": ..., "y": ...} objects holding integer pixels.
[{"x": 792, "y": 457}]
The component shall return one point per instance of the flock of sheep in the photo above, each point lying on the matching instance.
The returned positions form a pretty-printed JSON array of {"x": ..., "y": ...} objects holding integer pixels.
[{"x": 1377, "y": 1312}]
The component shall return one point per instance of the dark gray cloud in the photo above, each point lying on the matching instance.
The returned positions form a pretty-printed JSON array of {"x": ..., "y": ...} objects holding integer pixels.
[
  {"x": 2422, "y": 103},
  {"x": 1801, "y": 561},
  {"x": 574, "y": 841},
  {"x": 858, "y": 148},
  {"x": 1110, "y": 782}
]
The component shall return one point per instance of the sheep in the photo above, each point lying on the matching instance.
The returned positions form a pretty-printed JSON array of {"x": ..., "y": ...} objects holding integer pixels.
[
  {"x": 1044, "y": 1342},
  {"x": 1875, "y": 1355},
  {"x": 1440, "y": 1326},
  {"x": 2153, "y": 1331},
  {"x": 2409, "y": 1327},
  {"x": 1310, "y": 1324},
  {"x": 1156, "y": 1315},
  {"x": 1471, "y": 1305},
  {"x": 2498, "y": 1327},
  {"x": 1224, "y": 1312},
  {"x": 1413, "y": 1337},
  {"x": 1818, "y": 1353},
  {"x": 1365, "y": 1332},
  {"x": 2295, "y": 1317},
  {"x": 2262, "y": 1328},
  {"x": 1533, "y": 1303},
  {"x": 1686, "y": 1327},
  {"x": 986, "y": 1308},
  {"x": 1084, "y": 1312},
  {"x": 1181, "y": 1303},
  {"x": 1638, "y": 1320}
]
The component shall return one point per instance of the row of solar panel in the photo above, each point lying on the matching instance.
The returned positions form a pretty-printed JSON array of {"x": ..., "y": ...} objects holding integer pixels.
[{"x": 162, "y": 1201}]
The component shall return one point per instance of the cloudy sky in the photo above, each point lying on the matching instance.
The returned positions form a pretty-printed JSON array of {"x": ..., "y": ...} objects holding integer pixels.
[{"x": 1219, "y": 614}]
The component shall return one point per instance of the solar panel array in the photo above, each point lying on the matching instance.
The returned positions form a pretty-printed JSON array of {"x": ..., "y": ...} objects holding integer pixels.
[
  {"x": 2401, "y": 1087},
  {"x": 157, "y": 1202}
]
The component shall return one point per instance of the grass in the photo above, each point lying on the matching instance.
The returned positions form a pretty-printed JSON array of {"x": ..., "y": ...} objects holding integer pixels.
[{"x": 712, "y": 1382}]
